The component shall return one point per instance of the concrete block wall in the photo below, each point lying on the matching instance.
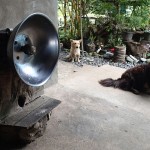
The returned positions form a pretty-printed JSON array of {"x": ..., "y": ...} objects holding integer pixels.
[{"x": 13, "y": 12}]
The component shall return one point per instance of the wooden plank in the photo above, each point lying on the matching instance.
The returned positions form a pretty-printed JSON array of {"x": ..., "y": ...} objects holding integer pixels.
[
  {"x": 31, "y": 113},
  {"x": 14, "y": 117},
  {"x": 38, "y": 114}
]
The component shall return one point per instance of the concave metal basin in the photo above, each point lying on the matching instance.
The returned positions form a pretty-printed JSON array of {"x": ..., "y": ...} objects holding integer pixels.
[{"x": 35, "y": 32}]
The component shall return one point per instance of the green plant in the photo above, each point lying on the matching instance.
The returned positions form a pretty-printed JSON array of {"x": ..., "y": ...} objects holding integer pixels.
[
  {"x": 92, "y": 37},
  {"x": 142, "y": 13},
  {"x": 115, "y": 40},
  {"x": 117, "y": 10},
  {"x": 139, "y": 18},
  {"x": 65, "y": 37},
  {"x": 71, "y": 12},
  {"x": 114, "y": 11},
  {"x": 133, "y": 23}
]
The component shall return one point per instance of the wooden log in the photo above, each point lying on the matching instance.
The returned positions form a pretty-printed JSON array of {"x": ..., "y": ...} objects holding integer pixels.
[
  {"x": 137, "y": 49},
  {"x": 14, "y": 93},
  {"x": 119, "y": 54}
]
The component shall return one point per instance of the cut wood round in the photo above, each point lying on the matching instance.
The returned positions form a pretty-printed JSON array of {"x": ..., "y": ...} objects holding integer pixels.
[
  {"x": 37, "y": 130},
  {"x": 127, "y": 36},
  {"x": 119, "y": 54},
  {"x": 22, "y": 135},
  {"x": 146, "y": 36}
]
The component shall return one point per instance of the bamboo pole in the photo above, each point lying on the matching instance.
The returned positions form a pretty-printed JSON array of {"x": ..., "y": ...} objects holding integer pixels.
[
  {"x": 81, "y": 27},
  {"x": 65, "y": 16}
]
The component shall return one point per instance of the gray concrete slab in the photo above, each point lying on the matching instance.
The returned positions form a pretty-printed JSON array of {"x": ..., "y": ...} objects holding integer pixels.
[
  {"x": 94, "y": 117},
  {"x": 82, "y": 122},
  {"x": 85, "y": 80}
]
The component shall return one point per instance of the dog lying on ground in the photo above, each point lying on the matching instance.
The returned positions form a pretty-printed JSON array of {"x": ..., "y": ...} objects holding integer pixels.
[
  {"x": 136, "y": 80},
  {"x": 74, "y": 50}
]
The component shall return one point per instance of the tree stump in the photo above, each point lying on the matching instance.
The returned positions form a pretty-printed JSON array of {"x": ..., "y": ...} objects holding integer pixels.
[{"x": 119, "y": 54}]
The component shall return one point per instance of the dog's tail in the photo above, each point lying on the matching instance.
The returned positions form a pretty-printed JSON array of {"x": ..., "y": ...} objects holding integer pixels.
[
  {"x": 68, "y": 56},
  {"x": 119, "y": 83}
]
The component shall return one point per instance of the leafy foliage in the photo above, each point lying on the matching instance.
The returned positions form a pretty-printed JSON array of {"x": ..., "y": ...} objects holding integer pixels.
[{"x": 114, "y": 10}]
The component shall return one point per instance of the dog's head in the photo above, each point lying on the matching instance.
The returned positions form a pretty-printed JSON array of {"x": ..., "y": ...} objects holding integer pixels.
[{"x": 75, "y": 44}]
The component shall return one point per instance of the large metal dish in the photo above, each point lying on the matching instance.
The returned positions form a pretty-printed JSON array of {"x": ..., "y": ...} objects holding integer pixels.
[{"x": 33, "y": 48}]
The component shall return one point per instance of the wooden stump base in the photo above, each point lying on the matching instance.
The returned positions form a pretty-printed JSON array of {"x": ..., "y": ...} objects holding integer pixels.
[{"x": 30, "y": 122}]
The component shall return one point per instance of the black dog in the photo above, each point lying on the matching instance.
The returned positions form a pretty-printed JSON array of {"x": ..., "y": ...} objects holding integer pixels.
[{"x": 136, "y": 80}]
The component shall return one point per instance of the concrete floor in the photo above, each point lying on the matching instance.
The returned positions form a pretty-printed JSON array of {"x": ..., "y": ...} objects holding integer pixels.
[{"x": 92, "y": 117}]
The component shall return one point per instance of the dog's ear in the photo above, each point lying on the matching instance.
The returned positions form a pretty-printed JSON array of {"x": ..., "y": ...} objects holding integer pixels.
[
  {"x": 80, "y": 40},
  {"x": 71, "y": 40}
]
